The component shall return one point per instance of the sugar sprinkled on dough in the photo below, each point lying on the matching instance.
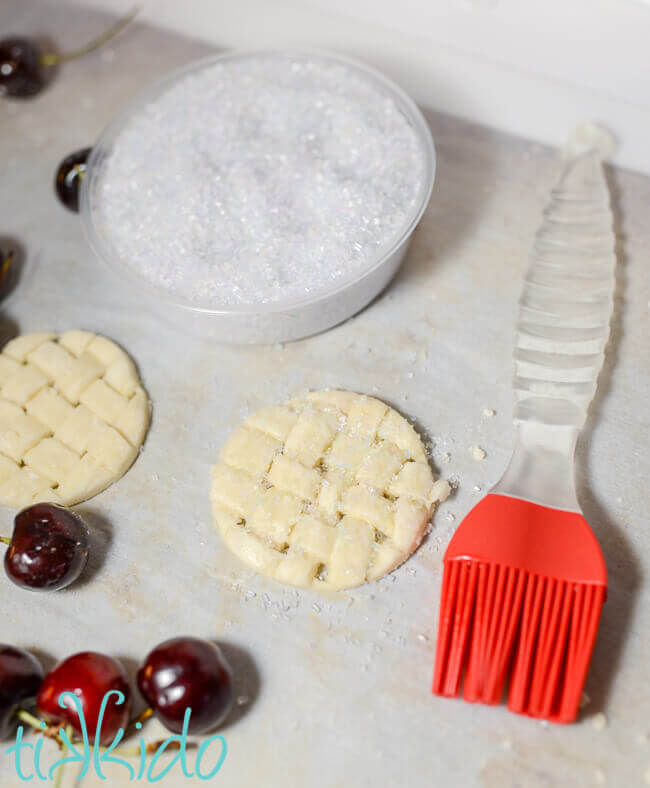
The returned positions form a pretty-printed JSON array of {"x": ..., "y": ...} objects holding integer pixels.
[{"x": 259, "y": 179}]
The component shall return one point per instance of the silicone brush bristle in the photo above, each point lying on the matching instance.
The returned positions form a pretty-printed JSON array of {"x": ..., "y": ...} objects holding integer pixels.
[
  {"x": 494, "y": 618},
  {"x": 514, "y": 616}
]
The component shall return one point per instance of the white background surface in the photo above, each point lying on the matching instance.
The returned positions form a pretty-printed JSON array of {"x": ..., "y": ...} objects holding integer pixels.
[
  {"x": 534, "y": 68},
  {"x": 338, "y": 687}
]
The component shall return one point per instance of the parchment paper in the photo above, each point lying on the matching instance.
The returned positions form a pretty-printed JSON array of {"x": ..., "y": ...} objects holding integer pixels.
[{"x": 333, "y": 691}]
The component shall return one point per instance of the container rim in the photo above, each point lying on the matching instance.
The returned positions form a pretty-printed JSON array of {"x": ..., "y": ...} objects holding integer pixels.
[{"x": 104, "y": 250}]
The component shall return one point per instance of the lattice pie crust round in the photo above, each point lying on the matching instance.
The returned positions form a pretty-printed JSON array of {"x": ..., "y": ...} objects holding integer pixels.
[
  {"x": 327, "y": 491},
  {"x": 73, "y": 416}
]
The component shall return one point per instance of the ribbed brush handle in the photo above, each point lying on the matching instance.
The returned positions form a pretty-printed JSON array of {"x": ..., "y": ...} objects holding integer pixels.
[
  {"x": 566, "y": 303},
  {"x": 563, "y": 326}
]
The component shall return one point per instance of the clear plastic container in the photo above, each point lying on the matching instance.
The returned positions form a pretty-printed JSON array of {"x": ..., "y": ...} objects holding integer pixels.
[{"x": 279, "y": 321}]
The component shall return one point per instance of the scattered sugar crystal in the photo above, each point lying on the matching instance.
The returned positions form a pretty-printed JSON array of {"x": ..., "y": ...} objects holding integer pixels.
[
  {"x": 489, "y": 412},
  {"x": 478, "y": 453},
  {"x": 260, "y": 179},
  {"x": 599, "y": 721},
  {"x": 422, "y": 637},
  {"x": 585, "y": 700},
  {"x": 242, "y": 700}
]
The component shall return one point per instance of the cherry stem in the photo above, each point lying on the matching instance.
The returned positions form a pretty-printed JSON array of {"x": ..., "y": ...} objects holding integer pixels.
[
  {"x": 54, "y": 58},
  {"x": 5, "y": 264},
  {"x": 5, "y": 539},
  {"x": 64, "y": 750},
  {"x": 39, "y": 725},
  {"x": 30, "y": 719},
  {"x": 142, "y": 717}
]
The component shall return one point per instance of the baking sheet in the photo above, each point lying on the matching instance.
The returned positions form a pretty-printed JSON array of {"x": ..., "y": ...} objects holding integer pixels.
[{"x": 333, "y": 690}]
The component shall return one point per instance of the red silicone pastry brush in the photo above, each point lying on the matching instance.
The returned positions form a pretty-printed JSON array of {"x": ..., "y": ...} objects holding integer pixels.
[{"x": 524, "y": 577}]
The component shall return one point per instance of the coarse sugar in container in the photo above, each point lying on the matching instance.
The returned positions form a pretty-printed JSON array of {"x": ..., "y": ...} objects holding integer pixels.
[{"x": 260, "y": 196}]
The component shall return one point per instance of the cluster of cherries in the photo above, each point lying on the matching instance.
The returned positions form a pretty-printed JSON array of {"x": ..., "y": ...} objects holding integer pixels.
[
  {"x": 179, "y": 674},
  {"x": 47, "y": 551}
]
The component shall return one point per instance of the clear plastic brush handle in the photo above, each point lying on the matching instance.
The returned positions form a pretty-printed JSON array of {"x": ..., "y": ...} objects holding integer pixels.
[{"x": 564, "y": 315}]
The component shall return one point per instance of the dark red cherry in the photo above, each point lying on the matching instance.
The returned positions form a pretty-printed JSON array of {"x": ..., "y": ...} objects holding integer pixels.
[
  {"x": 21, "y": 675},
  {"x": 48, "y": 548},
  {"x": 68, "y": 178},
  {"x": 89, "y": 676},
  {"x": 21, "y": 70},
  {"x": 23, "y": 66},
  {"x": 187, "y": 673}
]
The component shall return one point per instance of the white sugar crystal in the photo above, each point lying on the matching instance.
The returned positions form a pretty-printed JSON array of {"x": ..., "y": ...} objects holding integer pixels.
[
  {"x": 599, "y": 721},
  {"x": 260, "y": 179},
  {"x": 478, "y": 453}
]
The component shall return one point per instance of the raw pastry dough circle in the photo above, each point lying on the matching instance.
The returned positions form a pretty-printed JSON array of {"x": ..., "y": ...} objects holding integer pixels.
[
  {"x": 73, "y": 416},
  {"x": 328, "y": 491}
]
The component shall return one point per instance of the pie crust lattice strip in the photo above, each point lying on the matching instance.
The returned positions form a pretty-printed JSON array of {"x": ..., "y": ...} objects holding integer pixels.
[
  {"x": 327, "y": 491},
  {"x": 73, "y": 416}
]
